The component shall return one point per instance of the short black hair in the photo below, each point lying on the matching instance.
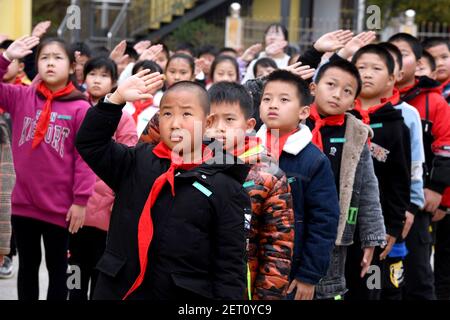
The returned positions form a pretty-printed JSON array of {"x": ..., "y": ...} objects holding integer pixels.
[
  {"x": 435, "y": 41},
  {"x": 221, "y": 59},
  {"x": 231, "y": 92},
  {"x": 207, "y": 49},
  {"x": 184, "y": 56},
  {"x": 186, "y": 46},
  {"x": 304, "y": 94},
  {"x": 412, "y": 41},
  {"x": 101, "y": 63},
  {"x": 381, "y": 52},
  {"x": 191, "y": 86},
  {"x": 264, "y": 63},
  {"x": 131, "y": 52},
  {"x": 426, "y": 55},
  {"x": 226, "y": 49},
  {"x": 345, "y": 66},
  {"x": 278, "y": 26},
  {"x": 146, "y": 64},
  {"x": 393, "y": 50},
  {"x": 82, "y": 47}
]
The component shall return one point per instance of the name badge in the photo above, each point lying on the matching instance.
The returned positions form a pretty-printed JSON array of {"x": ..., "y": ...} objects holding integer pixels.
[
  {"x": 202, "y": 189},
  {"x": 338, "y": 140},
  {"x": 376, "y": 125}
]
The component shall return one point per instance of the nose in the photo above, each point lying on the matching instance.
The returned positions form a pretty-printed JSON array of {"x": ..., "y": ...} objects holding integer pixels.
[
  {"x": 337, "y": 93},
  {"x": 175, "y": 123}
]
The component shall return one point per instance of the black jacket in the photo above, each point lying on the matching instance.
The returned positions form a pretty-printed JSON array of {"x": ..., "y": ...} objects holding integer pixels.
[
  {"x": 391, "y": 153},
  {"x": 198, "y": 246}
]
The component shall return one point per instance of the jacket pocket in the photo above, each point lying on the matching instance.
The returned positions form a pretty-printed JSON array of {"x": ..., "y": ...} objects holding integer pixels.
[
  {"x": 111, "y": 263},
  {"x": 200, "y": 286}
]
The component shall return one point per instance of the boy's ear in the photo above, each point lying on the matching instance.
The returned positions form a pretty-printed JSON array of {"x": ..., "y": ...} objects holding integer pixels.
[
  {"x": 400, "y": 76},
  {"x": 312, "y": 88},
  {"x": 210, "y": 120},
  {"x": 251, "y": 123},
  {"x": 303, "y": 113},
  {"x": 391, "y": 80}
]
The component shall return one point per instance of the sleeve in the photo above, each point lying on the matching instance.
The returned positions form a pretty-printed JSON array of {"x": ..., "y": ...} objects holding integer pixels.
[
  {"x": 370, "y": 219},
  {"x": 249, "y": 75},
  {"x": 321, "y": 221},
  {"x": 111, "y": 161},
  {"x": 398, "y": 190},
  {"x": 311, "y": 57},
  {"x": 30, "y": 64},
  {"x": 276, "y": 243},
  {"x": 126, "y": 73},
  {"x": 228, "y": 262}
]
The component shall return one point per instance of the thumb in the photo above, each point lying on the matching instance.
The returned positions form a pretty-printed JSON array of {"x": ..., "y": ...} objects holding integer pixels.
[
  {"x": 291, "y": 286},
  {"x": 69, "y": 215}
]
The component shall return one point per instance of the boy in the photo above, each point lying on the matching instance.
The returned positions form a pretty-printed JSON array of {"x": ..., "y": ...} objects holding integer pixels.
[
  {"x": 391, "y": 153},
  {"x": 426, "y": 66},
  {"x": 439, "y": 49},
  {"x": 284, "y": 105},
  {"x": 271, "y": 237},
  {"x": 424, "y": 94},
  {"x": 343, "y": 138},
  {"x": 192, "y": 210}
]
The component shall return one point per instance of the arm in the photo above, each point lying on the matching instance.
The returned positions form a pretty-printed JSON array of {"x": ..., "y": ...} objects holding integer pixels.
[
  {"x": 276, "y": 242},
  {"x": 228, "y": 260}
]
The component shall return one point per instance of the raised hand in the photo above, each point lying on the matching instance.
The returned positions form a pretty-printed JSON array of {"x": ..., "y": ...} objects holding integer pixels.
[
  {"x": 141, "y": 46},
  {"x": 276, "y": 48},
  {"x": 251, "y": 52},
  {"x": 333, "y": 41},
  {"x": 304, "y": 72},
  {"x": 118, "y": 53},
  {"x": 75, "y": 217},
  {"x": 21, "y": 47},
  {"x": 357, "y": 42},
  {"x": 137, "y": 87},
  {"x": 151, "y": 53},
  {"x": 41, "y": 28}
]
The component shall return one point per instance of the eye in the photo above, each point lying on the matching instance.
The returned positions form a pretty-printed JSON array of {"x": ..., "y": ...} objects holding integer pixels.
[
  {"x": 284, "y": 100},
  {"x": 266, "y": 99},
  {"x": 187, "y": 114},
  {"x": 229, "y": 119},
  {"x": 166, "y": 114},
  {"x": 348, "y": 91},
  {"x": 331, "y": 84}
]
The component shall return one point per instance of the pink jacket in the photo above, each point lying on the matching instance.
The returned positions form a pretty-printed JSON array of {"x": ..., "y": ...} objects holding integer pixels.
[{"x": 98, "y": 210}]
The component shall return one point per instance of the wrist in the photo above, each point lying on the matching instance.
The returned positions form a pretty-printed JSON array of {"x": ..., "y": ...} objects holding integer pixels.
[
  {"x": 7, "y": 57},
  {"x": 116, "y": 98},
  {"x": 344, "y": 53}
]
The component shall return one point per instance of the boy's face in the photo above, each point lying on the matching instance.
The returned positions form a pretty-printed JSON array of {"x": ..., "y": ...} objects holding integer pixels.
[
  {"x": 409, "y": 61},
  {"x": 79, "y": 66},
  {"x": 229, "y": 124},
  {"x": 178, "y": 70},
  {"x": 281, "y": 107},
  {"x": 441, "y": 55},
  {"x": 424, "y": 69},
  {"x": 263, "y": 71},
  {"x": 14, "y": 68},
  {"x": 376, "y": 81},
  {"x": 99, "y": 83},
  {"x": 335, "y": 92},
  {"x": 182, "y": 120}
]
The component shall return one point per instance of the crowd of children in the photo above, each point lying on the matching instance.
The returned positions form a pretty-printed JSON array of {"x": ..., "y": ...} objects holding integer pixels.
[{"x": 265, "y": 174}]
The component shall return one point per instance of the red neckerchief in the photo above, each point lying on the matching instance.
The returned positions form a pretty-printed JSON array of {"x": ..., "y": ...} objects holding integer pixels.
[
  {"x": 249, "y": 142},
  {"x": 141, "y": 106},
  {"x": 365, "y": 114},
  {"x": 319, "y": 122},
  {"x": 278, "y": 143},
  {"x": 406, "y": 89},
  {"x": 145, "y": 226},
  {"x": 44, "y": 117}
]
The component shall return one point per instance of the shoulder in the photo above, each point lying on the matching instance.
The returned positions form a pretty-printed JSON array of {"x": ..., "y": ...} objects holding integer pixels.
[{"x": 355, "y": 124}]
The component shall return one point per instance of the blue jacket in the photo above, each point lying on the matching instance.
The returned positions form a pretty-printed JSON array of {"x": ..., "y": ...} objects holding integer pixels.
[{"x": 316, "y": 204}]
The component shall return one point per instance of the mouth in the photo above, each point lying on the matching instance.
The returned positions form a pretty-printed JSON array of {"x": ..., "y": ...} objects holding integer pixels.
[
  {"x": 272, "y": 115},
  {"x": 50, "y": 72},
  {"x": 176, "y": 138},
  {"x": 367, "y": 84},
  {"x": 333, "y": 104}
]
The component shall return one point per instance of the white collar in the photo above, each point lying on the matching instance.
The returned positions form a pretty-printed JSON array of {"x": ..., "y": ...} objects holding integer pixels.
[{"x": 295, "y": 143}]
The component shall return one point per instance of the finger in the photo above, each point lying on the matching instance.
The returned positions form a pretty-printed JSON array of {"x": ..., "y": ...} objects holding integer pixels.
[
  {"x": 152, "y": 76},
  {"x": 291, "y": 287},
  {"x": 142, "y": 73},
  {"x": 145, "y": 96},
  {"x": 69, "y": 215},
  {"x": 296, "y": 65},
  {"x": 302, "y": 68}
]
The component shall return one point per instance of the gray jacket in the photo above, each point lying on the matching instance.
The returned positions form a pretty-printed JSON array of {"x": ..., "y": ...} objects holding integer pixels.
[{"x": 359, "y": 203}]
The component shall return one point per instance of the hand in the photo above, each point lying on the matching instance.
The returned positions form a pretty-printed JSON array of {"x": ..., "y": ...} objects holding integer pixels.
[
  {"x": 41, "y": 28},
  {"x": 76, "y": 216},
  {"x": 151, "y": 53},
  {"x": 305, "y": 291},
  {"x": 137, "y": 87},
  {"x": 408, "y": 224},
  {"x": 305, "y": 72},
  {"x": 438, "y": 215},
  {"x": 366, "y": 260},
  {"x": 432, "y": 200},
  {"x": 21, "y": 47},
  {"x": 201, "y": 65},
  {"x": 251, "y": 52},
  {"x": 118, "y": 53},
  {"x": 276, "y": 48},
  {"x": 390, "y": 243},
  {"x": 357, "y": 42},
  {"x": 333, "y": 41},
  {"x": 141, "y": 46}
]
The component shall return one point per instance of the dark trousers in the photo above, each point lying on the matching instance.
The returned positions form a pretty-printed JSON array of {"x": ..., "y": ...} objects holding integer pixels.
[
  {"x": 419, "y": 275},
  {"x": 442, "y": 259},
  {"x": 13, "y": 246},
  {"x": 86, "y": 248},
  {"x": 28, "y": 233}
]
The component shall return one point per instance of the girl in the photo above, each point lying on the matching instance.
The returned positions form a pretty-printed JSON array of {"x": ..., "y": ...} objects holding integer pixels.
[
  {"x": 53, "y": 183},
  {"x": 88, "y": 245},
  {"x": 181, "y": 67},
  {"x": 263, "y": 67},
  {"x": 225, "y": 68}
]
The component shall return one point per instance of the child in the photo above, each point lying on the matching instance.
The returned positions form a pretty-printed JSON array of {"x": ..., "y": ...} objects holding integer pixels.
[
  {"x": 263, "y": 67},
  {"x": 439, "y": 49},
  {"x": 160, "y": 246},
  {"x": 181, "y": 67},
  {"x": 284, "y": 105},
  {"x": 271, "y": 234},
  {"x": 391, "y": 153},
  {"x": 85, "y": 55},
  {"x": 343, "y": 138},
  {"x": 424, "y": 94},
  {"x": 426, "y": 66},
  {"x": 45, "y": 119},
  {"x": 225, "y": 68},
  {"x": 88, "y": 245}
]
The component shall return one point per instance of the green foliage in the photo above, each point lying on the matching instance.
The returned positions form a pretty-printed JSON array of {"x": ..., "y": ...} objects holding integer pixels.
[
  {"x": 198, "y": 32},
  {"x": 53, "y": 10}
]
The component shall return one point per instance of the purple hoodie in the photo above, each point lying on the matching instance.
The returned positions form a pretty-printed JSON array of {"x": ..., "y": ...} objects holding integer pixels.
[{"x": 52, "y": 177}]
